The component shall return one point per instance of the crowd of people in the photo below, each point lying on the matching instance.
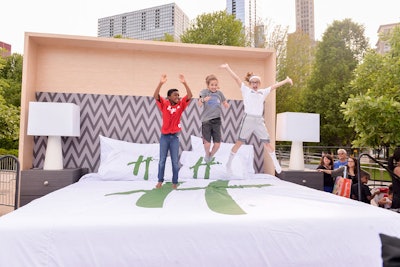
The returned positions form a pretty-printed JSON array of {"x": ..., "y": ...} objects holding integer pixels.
[{"x": 347, "y": 167}]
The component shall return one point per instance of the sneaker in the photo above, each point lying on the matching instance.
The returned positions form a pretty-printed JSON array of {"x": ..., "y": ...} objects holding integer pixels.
[
  {"x": 174, "y": 186},
  {"x": 158, "y": 185},
  {"x": 278, "y": 169},
  {"x": 207, "y": 159}
]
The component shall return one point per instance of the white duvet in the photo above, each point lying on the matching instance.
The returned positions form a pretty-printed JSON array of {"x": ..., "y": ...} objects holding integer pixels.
[{"x": 255, "y": 222}]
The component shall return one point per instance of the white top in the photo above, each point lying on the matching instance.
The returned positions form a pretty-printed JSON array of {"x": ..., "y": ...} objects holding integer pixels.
[{"x": 254, "y": 100}]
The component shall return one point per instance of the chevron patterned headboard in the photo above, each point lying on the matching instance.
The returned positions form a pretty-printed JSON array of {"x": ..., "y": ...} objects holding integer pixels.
[{"x": 130, "y": 118}]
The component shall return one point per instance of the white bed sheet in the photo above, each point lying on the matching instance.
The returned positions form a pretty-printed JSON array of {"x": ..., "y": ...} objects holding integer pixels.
[{"x": 277, "y": 224}]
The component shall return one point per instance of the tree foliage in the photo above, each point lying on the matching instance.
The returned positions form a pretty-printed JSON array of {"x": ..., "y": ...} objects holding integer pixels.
[
  {"x": 168, "y": 38},
  {"x": 218, "y": 28},
  {"x": 374, "y": 111},
  {"x": 297, "y": 64},
  {"x": 11, "y": 74},
  {"x": 10, "y": 95},
  {"x": 342, "y": 47},
  {"x": 276, "y": 37}
]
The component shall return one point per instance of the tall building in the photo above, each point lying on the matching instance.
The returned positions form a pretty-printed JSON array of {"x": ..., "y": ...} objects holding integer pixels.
[
  {"x": 305, "y": 17},
  {"x": 146, "y": 24},
  {"x": 382, "y": 46},
  {"x": 247, "y": 12},
  {"x": 5, "y": 49}
]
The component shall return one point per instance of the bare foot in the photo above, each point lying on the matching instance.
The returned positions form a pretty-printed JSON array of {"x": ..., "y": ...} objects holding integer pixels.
[
  {"x": 174, "y": 186},
  {"x": 158, "y": 185}
]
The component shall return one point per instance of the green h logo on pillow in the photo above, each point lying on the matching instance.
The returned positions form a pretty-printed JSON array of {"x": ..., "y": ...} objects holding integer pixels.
[
  {"x": 199, "y": 164},
  {"x": 138, "y": 163}
]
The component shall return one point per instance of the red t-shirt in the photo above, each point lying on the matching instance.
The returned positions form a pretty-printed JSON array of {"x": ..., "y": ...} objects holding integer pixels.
[{"x": 171, "y": 114}]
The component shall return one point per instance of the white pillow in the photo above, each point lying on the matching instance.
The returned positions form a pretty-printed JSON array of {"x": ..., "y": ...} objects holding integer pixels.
[
  {"x": 245, "y": 152},
  {"x": 108, "y": 145},
  {"x": 121, "y": 165},
  {"x": 194, "y": 167},
  {"x": 115, "y": 154}
]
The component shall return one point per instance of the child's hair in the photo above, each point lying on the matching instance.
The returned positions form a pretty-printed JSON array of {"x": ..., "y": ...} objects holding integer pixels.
[
  {"x": 170, "y": 91},
  {"x": 365, "y": 174},
  {"x": 210, "y": 78},
  {"x": 248, "y": 75}
]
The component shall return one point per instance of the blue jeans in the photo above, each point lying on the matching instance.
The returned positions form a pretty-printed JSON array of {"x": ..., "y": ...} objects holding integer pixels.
[{"x": 169, "y": 142}]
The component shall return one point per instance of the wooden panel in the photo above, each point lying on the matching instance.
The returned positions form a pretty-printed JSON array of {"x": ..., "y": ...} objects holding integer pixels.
[{"x": 92, "y": 65}]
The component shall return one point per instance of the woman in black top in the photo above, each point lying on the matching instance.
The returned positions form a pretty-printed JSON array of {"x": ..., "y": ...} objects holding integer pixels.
[{"x": 326, "y": 163}]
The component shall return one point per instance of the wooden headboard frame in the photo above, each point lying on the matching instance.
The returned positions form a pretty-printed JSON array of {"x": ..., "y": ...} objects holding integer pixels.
[{"x": 71, "y": 66}]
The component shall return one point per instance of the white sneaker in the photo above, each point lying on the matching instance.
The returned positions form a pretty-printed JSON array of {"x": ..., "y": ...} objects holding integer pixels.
[{"x": 278, "y": 169}]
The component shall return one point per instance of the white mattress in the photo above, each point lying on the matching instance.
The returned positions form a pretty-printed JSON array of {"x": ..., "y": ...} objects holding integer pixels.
[{"x": 255, "y": 222}]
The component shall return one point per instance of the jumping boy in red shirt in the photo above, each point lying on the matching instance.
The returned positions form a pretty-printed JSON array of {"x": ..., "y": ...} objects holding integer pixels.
[{"x": 171, "y": 108}]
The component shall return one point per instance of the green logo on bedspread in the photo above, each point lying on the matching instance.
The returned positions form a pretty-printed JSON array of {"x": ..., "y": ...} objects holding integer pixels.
[
  {"x": 216, "y": 194},
  {"x": 137, "y": 166},
  {"x": 200, "y": 163}
]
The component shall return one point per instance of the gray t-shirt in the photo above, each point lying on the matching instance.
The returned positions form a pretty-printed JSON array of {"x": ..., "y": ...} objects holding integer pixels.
[{"x": 212, "y": 108}]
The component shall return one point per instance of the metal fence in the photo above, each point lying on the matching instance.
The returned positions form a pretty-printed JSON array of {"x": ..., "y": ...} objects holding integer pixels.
[{"x": 9, "y": 181}]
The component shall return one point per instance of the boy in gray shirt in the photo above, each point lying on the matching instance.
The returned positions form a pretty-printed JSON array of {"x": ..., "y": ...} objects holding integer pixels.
[{"x": 211, "y": 100}]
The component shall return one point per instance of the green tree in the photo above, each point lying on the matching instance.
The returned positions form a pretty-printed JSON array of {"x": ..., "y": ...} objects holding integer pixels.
[
  {"x": 297, "y": 64},
  {"x": 374, "y": 110},
  {"x": 342, "y": 47},
  {"x": 10, "y": 95},
  {"x": 218, "y": 28},
  {"x": 276, "y": 38},
  {"x": 168, "y": 38},
  {"x": 9, "y": 121},
  {"x": 11, "y": 73}
]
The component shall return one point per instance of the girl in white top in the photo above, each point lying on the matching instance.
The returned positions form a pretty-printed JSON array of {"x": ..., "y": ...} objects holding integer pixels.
[{"x": 253, "y": 120}]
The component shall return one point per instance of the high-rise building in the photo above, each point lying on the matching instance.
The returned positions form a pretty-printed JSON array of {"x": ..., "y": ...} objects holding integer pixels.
[
  {"x": 305, "y": 17},
  {"x": 5, "y": 49},
  {"x": 146, "y": 24},
  {"x": 383, "y": 46},
  {"x": 247, "y": 12}
]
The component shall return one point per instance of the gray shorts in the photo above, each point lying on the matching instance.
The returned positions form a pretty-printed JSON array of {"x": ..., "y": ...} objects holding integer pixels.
[
  {"x": 211, "y": 129},
  {"x": 253, "y": 124}
]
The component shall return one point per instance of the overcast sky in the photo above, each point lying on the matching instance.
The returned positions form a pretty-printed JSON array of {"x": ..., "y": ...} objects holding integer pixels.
[{"x": 80, "y": 17}]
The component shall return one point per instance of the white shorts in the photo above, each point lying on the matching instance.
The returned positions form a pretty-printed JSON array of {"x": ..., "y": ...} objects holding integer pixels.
[{"x": 253, "y": 124}]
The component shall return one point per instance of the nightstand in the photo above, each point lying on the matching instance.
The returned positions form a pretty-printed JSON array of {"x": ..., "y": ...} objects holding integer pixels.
[
  {"x": 38, "y": 182},
  {"x": 309, "y": 178}
]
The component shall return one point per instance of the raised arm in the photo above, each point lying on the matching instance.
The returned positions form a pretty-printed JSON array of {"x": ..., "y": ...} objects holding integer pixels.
[
  {"x": 156, "y": 94},
  {"x": 279, "y": 84},
  {"x": 188, "y": 91},
  {"x": 230, "y": 71}
]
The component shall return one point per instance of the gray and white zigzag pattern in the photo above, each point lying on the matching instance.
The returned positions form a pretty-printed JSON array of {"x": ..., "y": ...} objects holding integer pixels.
[{"x": 133, "y": 119}]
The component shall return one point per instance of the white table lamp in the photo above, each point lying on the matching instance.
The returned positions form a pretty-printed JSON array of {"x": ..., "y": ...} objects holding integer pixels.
[
  {"x": 53, "y": 120},
  {"x": 297, "y": 127}
]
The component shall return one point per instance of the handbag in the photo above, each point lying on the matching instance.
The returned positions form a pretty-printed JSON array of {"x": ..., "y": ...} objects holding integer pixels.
[{"x": 342, "y": 186}]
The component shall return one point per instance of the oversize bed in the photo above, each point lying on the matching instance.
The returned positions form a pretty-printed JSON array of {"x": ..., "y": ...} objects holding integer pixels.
[{"x": 115, "y": 217}]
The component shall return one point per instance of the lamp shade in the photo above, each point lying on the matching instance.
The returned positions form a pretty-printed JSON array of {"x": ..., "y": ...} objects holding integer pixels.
[
  {"x": 53, "y": 119},
  {"x": 297, "y": 126}
]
